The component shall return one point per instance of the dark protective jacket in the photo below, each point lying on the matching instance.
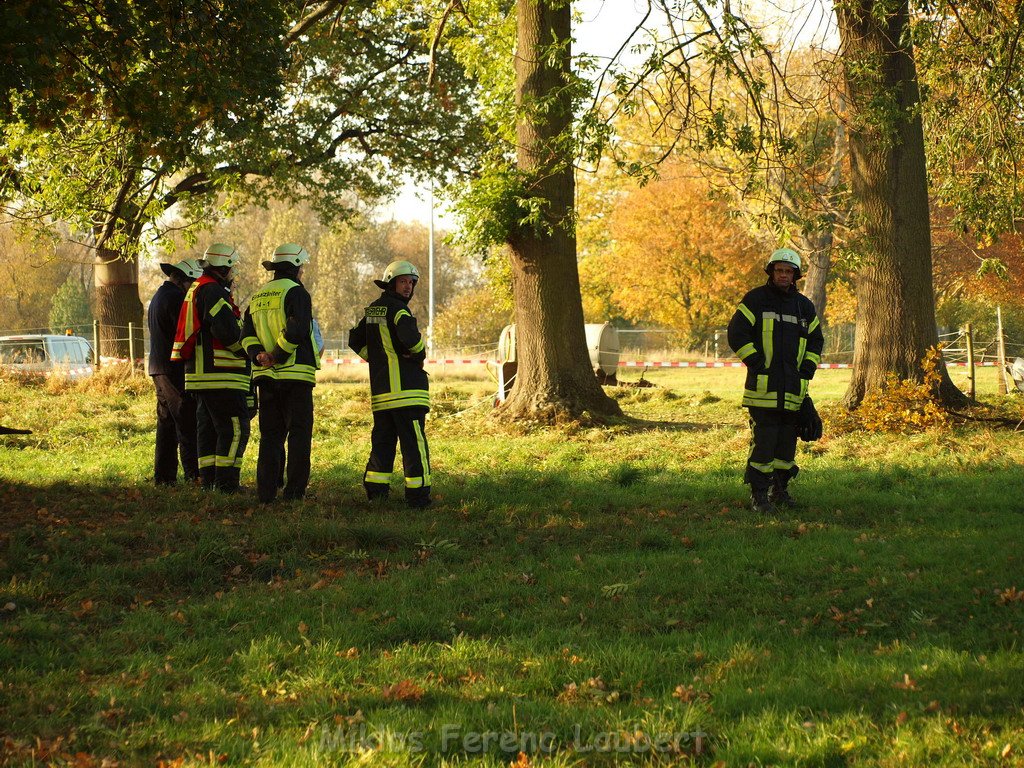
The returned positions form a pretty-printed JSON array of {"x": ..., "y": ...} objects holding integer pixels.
[
  {"x": 778, "y": 337},
  {"x": 208, "y": 339},
  {"x": 388, "y": 339},
  {"x": 279, "y": 320},
  {"x": 162, "y": 319}
]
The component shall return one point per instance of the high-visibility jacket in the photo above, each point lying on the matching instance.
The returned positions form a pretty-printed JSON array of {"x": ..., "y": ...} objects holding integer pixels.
[
  {"x": 778, "y": 337},
  {"x": 207, "y": 339},
  {"x": 279, "y": 320},
  {"x": 388, "y": 339}
]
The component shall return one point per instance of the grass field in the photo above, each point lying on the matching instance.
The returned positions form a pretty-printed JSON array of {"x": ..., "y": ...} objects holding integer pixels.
[{"x": 576, "y": 596}]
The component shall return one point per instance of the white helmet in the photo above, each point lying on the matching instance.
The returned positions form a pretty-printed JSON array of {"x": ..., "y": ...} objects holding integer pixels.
[
  {"x": 397, "y": 269},
  {"x": 219, "y": 255},
  {"x": 289, "y": 253},
  {"x": 786, "y": 256},
  {"x": 188, "y": 267}
]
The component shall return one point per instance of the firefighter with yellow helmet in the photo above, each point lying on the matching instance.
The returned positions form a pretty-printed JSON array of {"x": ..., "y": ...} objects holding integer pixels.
[
  {"x": 217, "y": 371},
  {"x": 278, "y": 335},
  {"x": 389, "y": 340},
  {"x": 776, "y": 333}
]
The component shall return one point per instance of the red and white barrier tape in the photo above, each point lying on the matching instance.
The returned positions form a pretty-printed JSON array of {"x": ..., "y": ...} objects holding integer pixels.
[{"x": 626, "y": 363}]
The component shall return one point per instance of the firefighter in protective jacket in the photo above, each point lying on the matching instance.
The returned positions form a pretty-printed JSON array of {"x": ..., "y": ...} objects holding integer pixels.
[
  {"x": 776, "y": 333},
  {"x": 388, "y": 339},
  {"x": 278, "y": 336},
  {"x": 175, "y": 408},
  {"x": 217, "y": 370}
]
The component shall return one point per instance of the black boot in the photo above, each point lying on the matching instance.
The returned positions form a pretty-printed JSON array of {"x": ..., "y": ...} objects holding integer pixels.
[
  {"x": 761, "y": 503},
  {"x": 780, "y": 497},
  {"x": 207, "y": 477},
  {"x": 376, "y": 491},
  {"x": 418, "y": 498},
  {"x": 227, "y": 479}
]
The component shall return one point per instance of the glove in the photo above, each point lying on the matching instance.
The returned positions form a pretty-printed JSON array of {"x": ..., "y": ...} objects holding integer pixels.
[
  {"x": 252, "y": 402},
  {"x": 809, "y": 427}
]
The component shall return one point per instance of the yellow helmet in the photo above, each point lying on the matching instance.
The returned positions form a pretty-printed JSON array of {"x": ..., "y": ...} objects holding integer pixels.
[
  {"x": 786, "y": 256},
  {"x": 397, "y": 269},
  {"x": 289, "y": 253},
  {"x": 188, "y": 267},
  {"x": 219, "y": 255}
]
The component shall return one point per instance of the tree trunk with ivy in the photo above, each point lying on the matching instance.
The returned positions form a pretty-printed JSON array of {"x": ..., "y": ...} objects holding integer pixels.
[
  {"x": 555, "y": 379},
  {"x": 117, "y": 303},
  {"x": 895, "y": 298}
]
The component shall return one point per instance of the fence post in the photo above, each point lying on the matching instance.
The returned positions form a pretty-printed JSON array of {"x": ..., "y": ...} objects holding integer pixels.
[
  {"x": 972, "y": 373},
  {"x": 96, "y": 344},
  {"x": 1001, "y": 351},
  {"x": 131, "y": 346}
]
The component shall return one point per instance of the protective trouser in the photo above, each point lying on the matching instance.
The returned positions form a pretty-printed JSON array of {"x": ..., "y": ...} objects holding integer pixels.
[
  {"x": 286, "y": 414},
  {"x": 406, "y": 426},
  {"x": 222, "y": 420},
  {"x": 772, "y": 448},
  {"x": 175, "y": 431}
]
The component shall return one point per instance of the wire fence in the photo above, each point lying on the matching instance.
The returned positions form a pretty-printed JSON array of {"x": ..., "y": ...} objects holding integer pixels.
[{"x": 658, "y": 345}]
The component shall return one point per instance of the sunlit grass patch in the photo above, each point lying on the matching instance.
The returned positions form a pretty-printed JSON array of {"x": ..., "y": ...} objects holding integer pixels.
[{"x": 589, "y": 595}]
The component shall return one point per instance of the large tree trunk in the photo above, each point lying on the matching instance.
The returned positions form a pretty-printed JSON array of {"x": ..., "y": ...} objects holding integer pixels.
[
  {"x": 117, "y": 304},
  {"x": 895, "y": 298},
  {"x": 555, "y": 379},
  {"x": 818, "y": 247}
]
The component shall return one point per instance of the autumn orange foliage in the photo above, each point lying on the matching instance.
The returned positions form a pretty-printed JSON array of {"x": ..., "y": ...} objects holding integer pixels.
[
  {"x": 902, "y": 405},
  {"x": 676, "y": 258}
]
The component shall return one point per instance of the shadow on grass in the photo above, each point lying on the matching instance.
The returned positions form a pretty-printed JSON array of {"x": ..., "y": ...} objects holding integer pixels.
[{"x": 525, "y": 595}]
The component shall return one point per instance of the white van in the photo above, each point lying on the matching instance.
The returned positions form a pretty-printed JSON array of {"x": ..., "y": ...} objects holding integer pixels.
[{"x": 47, "y": 353}]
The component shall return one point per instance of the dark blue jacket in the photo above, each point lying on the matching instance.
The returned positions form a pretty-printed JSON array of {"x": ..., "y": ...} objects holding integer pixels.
[{"x": 163, "y": 321}]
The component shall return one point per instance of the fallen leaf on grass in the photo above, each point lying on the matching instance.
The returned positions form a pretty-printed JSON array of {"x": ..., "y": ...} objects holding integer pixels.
[
  {"x": 309, "y": 732},
  {"x": 403, "y": 690},
  {"x": 1010, "y": 595},
  {"x": 908, "y": 684},
  {"x": 687, "y": 693},
  {"x": 84, "y": 609}
]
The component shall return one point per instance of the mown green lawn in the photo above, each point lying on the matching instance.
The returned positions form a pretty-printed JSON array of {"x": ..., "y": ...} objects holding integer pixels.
[{"x": 581, "y": 595}]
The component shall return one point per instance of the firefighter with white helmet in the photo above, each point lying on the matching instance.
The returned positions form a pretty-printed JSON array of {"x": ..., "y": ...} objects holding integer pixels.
[
  {"x": 776, "y": 333},
  {"x": 217, "y": 371},
  {"x": 175, "y": 408},
  {"x": 388, "y": 339},
  {"x": 278, "y": 336}
]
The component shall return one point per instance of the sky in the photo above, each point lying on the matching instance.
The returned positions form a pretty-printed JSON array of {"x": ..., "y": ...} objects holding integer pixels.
[
  {"x": 603, "y": 26},
  {"x": 600, "y": 33}
]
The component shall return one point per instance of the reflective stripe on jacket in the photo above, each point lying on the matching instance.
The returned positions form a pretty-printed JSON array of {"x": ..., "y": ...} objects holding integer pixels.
[
  {"x": 209, "y": 328},
  {"x": 279, "y": 320},
  {"x": 778, "y": 337},
  {"x": 388, "y": 339}
]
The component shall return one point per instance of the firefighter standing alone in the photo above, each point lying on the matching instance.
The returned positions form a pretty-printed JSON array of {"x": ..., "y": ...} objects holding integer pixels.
[
  {"x": 216, "y": 369},
  {"x": 776, "y": 333},
  {"x": 278, "y": 336},
  {"x": 388, "y": 339}
]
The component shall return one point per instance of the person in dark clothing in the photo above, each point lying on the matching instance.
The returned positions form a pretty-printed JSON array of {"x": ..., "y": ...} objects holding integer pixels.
[
  {"x": 388, "y": 339},
  {"x": 175, "y": 408},
  {"x": 208, "y": 339},
  {"x": 278, "y": 336},
  {"x": 776, "y": 333}
]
